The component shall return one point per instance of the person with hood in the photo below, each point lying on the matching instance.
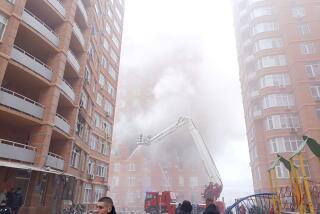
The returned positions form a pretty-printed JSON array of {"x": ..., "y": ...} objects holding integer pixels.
[
  {"x": 17, "y": 201},
  {"x": 211, "y": 209},
  {"x": 105, "y": 206},
  {"x": 185, "y": 208}
]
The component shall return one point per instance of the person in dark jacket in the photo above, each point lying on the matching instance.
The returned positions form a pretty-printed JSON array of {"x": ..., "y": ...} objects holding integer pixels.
[
  {"x": 212, "y": 209},
  {"x": 10, "y": 196},
  {"x": 17, "y": 201},
  {"x": 105, "y": 206},
  {"x": 185, "y": 208}
]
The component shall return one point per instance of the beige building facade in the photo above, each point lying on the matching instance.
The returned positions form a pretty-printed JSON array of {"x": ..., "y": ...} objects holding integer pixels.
[
  {"x": 59, "y": 62},
  {"x": 278, "y": 46}
]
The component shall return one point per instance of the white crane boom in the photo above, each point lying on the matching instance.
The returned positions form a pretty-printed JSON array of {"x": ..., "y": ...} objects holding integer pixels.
[{"x": 207, "y": 159}]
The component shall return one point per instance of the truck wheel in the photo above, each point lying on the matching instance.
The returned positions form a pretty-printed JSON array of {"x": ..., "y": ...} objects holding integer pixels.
[{"x": 153, "y": 211}]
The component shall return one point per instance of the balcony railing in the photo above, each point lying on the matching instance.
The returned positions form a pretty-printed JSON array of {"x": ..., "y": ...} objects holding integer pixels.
[
  {"x": 73, "y": 61},
  {"x": 67, "y": 89},
  {"x": 82, "y": 10},
  {"x": 17, "y": 151},
  {"x": 29, "y": 61},
  {"x": 58, "y": 6},
  {"x": 21, "y": 103},
  {"x": 62, "y": 123},
  {"x": 40, "y": 27},
  {"x": 55, "y": 161},
  {"x": 79, "y": 34}
]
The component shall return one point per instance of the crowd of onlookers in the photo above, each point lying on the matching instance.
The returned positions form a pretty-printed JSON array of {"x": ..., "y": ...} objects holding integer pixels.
[
  {"x": 10, "y": 202},
  {"x": 105, "y": 206}
]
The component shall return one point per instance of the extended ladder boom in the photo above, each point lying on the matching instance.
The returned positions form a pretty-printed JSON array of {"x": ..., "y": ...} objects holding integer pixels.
[{"x": 207, "y": 159}]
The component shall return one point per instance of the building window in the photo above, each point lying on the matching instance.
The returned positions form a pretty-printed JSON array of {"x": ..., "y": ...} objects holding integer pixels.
[
  {"x": 116, "y": 167},
  {"x": 181, "y": 181},
  {"x": 284, "y": 144},
  {"x": 306, "y": 168},
  {"x": 3, "y": 24},
  {"x": 87, "y": 75},
  {"x": 318, "y": 113},
  {"x": 105, "y": 148},
  {"x": 108, "y": 108},
  {"x": 93, "y": 142},
  {"x": 106, "y": 44},
  {"x": 281, "y": 171},
  {"x": 114, "y": 56},
  {"x": 131, "y": 180},
  {"x": 117, "y": 26},
  {"x": 104, "y": 62},
  {"x": 260, "y": 11},
  {"x": 271, "y": 61},
  {"x": 283, "y": 121},
  {"x": 264, "y": 44},
  {"x": 277, "y": 100},
  {"x": 315, "y": 92},
  {"x": 110, "y": 90},
  {"x": 279, "y": 80},
  {"x": 99, "y": 99},
  {"x": 312, "y": 69},
  {"x": 75, "y": 157},
  {"x": 96, "y": 119},
  {"x": 87, "y": 193},
  {"x": 307, "y": 48},
  {"x": 298, "y": 12},
  {"x": 303, "y": 29},
  {"x": 132, "y": 167},
  {"x": 101, "y": 170},
  {"x": 193, "y": 181},
  {"x": 98, "y": 192},
  {"x": 108, "y": 28},
  {"x": 115, "y": 181},
  {"x": 97, "y": 9},
  {"x": 119, "y": 14},
  {"x": 116, "y": 41},
  {"x": 112, "y": 73},
  {"x": 90, "y": 167},
  {"x": 109, "y": 12},
  {"x": 264, "y": 27},
  {"x": 83, "y": 100}
]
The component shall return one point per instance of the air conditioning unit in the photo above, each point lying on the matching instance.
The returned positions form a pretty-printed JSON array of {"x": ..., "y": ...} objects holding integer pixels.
[
  {"x": 108, "y": 114},
  {"x": 91, "y": 176}
]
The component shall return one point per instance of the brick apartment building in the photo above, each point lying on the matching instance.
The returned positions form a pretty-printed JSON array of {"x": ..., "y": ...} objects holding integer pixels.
[
  {"x": 59, "y": 62},
  {"x": 134, "y": 171},
  {"x": 278, "y": 44}
]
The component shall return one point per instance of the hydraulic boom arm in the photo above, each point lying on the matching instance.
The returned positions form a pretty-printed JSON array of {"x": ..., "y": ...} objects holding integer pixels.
[{"x": 207, "y": 159}]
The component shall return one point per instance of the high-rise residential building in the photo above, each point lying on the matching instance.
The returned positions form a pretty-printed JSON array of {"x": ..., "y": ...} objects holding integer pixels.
[
  {"x": 278, "y": 44},
  {"x": 59, "y": 62}
]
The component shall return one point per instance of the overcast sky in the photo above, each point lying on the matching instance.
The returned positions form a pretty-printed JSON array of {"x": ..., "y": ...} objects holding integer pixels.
[{"x": 179, "y": 58}]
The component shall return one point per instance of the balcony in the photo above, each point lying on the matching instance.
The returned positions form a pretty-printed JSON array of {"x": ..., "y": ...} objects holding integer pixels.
[
  {"x": 62, "y": 124},
  {"x": 82, "y": 10},
  {"x": 73, "y": 61},
  {"x": 79, "y": 34},
  {"x": 21, "y": 103},
  {"x": 58, "y": 6},
  {"x": 55, "y": 161},
  {"x": 67, "y": 89},
  {"x": 29, "y": 61},
  {"x": 17, "y": 151},
  {"x": 40, "y": 27}
]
